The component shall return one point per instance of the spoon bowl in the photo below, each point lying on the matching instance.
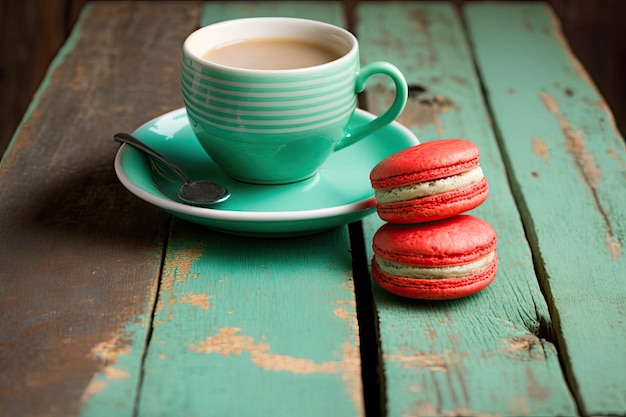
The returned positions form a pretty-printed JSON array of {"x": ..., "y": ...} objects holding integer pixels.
[{"x": 195, "y": 193}]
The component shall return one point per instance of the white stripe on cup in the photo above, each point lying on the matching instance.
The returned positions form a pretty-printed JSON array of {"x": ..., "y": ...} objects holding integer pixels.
[{"x": 272, "y": 126}]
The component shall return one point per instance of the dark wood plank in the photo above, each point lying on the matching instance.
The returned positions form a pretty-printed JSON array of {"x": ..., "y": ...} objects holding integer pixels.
[
  {"x": 31, "y": 33},
  {"x": 80, "y": 256}
]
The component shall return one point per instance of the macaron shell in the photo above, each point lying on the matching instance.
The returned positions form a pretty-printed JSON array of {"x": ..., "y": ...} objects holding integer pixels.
[
  {"x": 436, "y": 207},
  {"x": 425, "y": 162},
  {"x": 453, "y": 241},
  {"x": 435, "y": 289}
]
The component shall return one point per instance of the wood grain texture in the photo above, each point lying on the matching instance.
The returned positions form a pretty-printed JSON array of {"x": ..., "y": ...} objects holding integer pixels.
[
  {"x": 567, "y": 165},
  {"x": 327, "y": 11},
  {"x": 488, "y": 354},
  {"x": 252, "y": 326},
  {"x": 79, "y": 255},
  {"x": 597, "y": 37},
  {"x": 249, "y": 327},
  {"x": 31, "y": 33}
]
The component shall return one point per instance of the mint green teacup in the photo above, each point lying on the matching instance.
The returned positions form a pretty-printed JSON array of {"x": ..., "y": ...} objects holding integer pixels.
[{"x": 270, "y": 99}]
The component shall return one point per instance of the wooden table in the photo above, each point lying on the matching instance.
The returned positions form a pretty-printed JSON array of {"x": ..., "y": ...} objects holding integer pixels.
[{"x": 109, "y": 307}]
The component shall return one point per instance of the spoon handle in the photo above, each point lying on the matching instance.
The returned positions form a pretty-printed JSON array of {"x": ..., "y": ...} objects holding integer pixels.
[{"x": 133, "y": 141}]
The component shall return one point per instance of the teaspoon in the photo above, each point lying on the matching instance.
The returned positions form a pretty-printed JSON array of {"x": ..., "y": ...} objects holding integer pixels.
[{"x": 196, "y": 193}]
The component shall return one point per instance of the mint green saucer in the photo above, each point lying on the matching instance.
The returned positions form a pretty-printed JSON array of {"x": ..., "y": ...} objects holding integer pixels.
[{"x": 338, "y": 194}]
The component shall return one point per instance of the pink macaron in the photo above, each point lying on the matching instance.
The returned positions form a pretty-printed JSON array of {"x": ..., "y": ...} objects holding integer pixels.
[
  {"x": 441, "y": 260},
  {"x": 430, "y": 181}
]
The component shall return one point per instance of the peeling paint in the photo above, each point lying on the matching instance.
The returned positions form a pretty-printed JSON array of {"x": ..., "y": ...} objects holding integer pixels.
[
  {"x": 111, "y": 372},
  {"x": 227, "y": 342},
  {"x": 422, "y": 22},
  {"x": 426, "y": 111},
  {"x": 178, "y": 264},
  {"x": 351, "y": 303},
  {"x": 432, "y": 362},
  {"x": 351, "y": 354},
  {"x": 415, "y": 388},
  {"x": 343, "y": 313},
  {"x": 613, "y": 245},
  {"x": 351, "y": 375},
  {"x": 537, "y": 392},
  {"x": 526, "y": 348},
  {"x": 540, "y": 148},
  {"x": 196, "y": 300},
  {"x": 94, "y": 387},
  {"x": 587, "y": 168},
  {"x": 168, "y": 317},
  {"x": 108, "y": 352},
  {"x": 422, "y": 109},
  {"x": 549, "y": 102},
  {"x": 519, "y": 406},
  {"x": 427, "y": 408},
  {"x": 613, "y": 155}
]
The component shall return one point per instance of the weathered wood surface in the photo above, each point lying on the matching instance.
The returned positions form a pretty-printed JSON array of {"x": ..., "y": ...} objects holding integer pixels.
[
  {"x": 40, "y": 27},
  {"x": 249, "y": 327},
  {"x": 80, "y": 256},
  {"x": 109, "y": 308},
  {"x": 327, "y": 11},
  {"x": 567, "y": 166},
  {"x": 489, "y": 354}
]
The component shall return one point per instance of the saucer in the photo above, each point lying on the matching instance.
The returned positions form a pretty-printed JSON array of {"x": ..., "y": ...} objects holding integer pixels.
[{"x": 338, "y": 194}]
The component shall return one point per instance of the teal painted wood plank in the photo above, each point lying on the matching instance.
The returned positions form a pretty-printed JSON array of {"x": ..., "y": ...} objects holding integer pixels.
[
  {"x": 113, "y": 390},
  {"x": 249, "y": 327},
  {"x": 252, "y": 327},
  {"x": 326, "y": 11},
  {"x": 567, "y": 165},
  {"x": 487, "y": 354}
]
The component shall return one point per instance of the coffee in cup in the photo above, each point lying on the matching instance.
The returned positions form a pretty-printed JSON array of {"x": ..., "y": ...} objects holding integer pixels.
[
  {"x": 270, "y": 99},
  {"x": 272, "y": 54}
]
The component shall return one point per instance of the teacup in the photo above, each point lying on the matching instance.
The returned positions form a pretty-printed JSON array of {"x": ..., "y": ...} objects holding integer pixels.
[{"x": 271, "y": 98}]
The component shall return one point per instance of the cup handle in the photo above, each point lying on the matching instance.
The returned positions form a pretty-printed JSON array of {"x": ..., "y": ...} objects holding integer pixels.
[{"x": 353, "y": 135}]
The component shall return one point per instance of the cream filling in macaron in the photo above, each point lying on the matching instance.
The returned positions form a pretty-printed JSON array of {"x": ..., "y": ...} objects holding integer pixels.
[
  {"x": 423, "y": 272},
  {"x": 428, "y": 188}
]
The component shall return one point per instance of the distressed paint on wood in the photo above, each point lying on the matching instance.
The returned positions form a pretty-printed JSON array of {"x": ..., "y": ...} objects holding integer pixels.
[
  {"x": 487, "y": 354},
  {"x": 252, "y": 326},
  {"x": 80, "y": 256},
  {"x": 327, "y": 11},
  {"x": 568, "y": 170},
  {"x": 58, "y": 336},
  {"x": 113, "y": 389}
]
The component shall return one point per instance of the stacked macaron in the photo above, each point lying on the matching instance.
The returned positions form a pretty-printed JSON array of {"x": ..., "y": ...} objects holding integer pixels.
[{"x": 429, "y": 249}]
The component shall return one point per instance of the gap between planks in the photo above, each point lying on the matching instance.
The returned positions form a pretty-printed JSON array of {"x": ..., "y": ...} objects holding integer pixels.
[
  {"x": 149, "y": 333},
  {"x": 545, "y": 331},
  {"x": 371, "y": 371},
  {"x": 369, "y": 340}
]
